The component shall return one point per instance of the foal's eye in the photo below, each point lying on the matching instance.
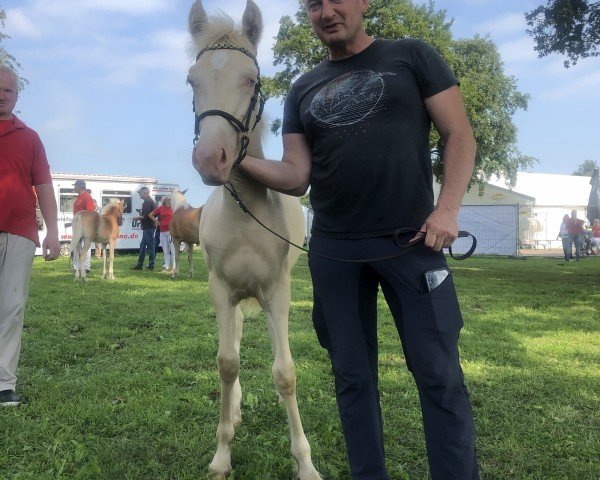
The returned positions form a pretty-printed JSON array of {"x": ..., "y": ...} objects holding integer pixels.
[
  {"x": 189, "y": 82},
  {"x": 251, "y": 81}
]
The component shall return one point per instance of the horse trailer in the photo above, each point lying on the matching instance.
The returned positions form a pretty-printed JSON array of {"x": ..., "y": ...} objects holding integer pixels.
[{"x": 102, "y": 188}]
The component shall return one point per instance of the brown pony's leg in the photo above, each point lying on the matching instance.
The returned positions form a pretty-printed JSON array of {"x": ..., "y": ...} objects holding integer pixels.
[
  {"x": 190, "y": 253},
  {"x": 177, "y": 245}
]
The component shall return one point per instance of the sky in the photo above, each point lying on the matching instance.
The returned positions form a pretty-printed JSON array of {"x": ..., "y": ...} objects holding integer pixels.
[{"x": 107, "y": 90}]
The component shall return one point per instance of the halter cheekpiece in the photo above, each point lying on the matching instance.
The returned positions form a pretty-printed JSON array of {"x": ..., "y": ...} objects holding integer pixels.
[{"x": 244, "y": 124}]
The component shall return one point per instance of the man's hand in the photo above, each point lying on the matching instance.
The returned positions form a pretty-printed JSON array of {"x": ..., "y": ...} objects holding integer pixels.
[
  {"x": 440, "y": 230},
  {"x": 51, "y": 247}
]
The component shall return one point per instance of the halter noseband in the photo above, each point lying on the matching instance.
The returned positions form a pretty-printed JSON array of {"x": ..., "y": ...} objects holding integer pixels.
[{"x": 244, "y": 124}]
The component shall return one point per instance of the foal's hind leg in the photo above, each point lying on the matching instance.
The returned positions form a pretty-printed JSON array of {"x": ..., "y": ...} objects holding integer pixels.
[
  {"x": 228, "y": 362},
  {"x": 177, "y": 246},
  {"x": 284, "y": 374},
  {"x": 87, "y": 243}
]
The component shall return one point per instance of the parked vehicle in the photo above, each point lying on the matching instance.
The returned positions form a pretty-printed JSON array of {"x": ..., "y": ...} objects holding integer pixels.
[{"x": 102, "y": 188}]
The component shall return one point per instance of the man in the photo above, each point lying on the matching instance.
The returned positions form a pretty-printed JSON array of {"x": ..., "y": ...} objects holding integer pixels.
[
  {"x": 24, "y": 174},
  {"x": 148, "y": 229},
  {"x": 356, "y": 129},
  {"x": 575, "y": 228},
  {"x": 84, "y": 201}
]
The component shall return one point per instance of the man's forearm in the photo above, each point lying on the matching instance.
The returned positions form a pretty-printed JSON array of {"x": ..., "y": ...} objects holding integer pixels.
[
  {"x": 276, "y": 175},
  {"x": 459, "y": 160}
]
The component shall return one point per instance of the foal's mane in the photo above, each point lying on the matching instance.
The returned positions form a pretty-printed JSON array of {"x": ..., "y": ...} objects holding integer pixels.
[{"x": 109, "y": 206}]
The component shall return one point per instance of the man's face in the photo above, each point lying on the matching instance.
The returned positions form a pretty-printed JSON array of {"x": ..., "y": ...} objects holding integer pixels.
[
  {"x": 336, "y": 22},
  {"x": 9, "y": 93}
]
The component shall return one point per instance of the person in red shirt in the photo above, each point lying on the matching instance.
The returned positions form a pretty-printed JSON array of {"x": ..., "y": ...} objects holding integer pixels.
[
  {"x": 83, "y": 201},
  {"x": 575, "y": 229},
  {"x": 164, "y": 214},
  {"x": 24, "y": 175}
]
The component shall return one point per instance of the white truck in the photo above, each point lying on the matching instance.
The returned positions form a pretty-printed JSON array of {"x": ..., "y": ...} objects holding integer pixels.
[{"x": 103, "y": 188}]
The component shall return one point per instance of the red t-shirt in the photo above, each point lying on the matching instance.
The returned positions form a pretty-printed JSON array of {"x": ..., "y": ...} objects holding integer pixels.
[
  {"x": 596, "y": 231},
  {"x": 574, "y": 226},
  {"x": 83, "y": 202},
  {"x": 164, "y": 215},
  {"x": 23, "y": 164}
]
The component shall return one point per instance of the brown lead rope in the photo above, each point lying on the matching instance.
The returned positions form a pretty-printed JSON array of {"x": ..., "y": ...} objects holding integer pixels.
[{"x": 406, "y": 248}]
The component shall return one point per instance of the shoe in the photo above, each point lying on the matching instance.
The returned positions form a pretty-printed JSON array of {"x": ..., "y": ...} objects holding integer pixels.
[
  {"x": 87, "y": 270},
  {"x": 8, "y": 398},
  {"x": 150, "y": 267},
  {"x": 136, "y": 267}
]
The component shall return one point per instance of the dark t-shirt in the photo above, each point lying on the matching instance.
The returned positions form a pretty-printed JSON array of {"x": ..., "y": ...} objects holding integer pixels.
[
  {"x": 365, "y": 120},
  {"x": 147, "y": 206}
]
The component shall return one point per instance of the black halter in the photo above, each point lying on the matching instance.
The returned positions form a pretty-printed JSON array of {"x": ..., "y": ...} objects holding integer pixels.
[{"x": 243, "y": 125}]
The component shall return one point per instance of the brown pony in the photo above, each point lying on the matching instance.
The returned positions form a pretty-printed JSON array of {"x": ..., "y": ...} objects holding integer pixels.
[
  {"x": 90, "y": 226},
  {"x": 184, "y": 227}
]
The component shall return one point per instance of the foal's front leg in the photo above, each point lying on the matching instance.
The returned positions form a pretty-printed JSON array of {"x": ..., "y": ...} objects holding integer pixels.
[
  {"x": 228, "y": 362},
  {"x": 284, "y": 373},
  {"x": 111, "y": 259}
]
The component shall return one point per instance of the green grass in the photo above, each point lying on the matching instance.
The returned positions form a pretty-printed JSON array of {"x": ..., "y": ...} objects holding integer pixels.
[{"x": 122, "y": 383}]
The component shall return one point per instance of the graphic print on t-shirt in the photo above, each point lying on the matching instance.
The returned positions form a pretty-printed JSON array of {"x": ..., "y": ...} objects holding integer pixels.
[{"x": 348, "y": 99}]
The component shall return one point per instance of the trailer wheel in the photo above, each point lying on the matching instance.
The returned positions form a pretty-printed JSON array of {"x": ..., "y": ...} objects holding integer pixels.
[{"x": 65, "y": 250}]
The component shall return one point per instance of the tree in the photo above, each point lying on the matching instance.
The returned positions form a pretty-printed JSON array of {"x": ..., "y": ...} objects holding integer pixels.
[
  {"x": 5, "y": 57},
  {"x": 569, "y": 27},
  {"x": 586, "y": 169},
  {"x": 491, "y": 98}
]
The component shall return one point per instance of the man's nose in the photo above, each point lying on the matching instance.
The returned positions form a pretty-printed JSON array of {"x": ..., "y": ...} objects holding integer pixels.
[{"x": 327, "y": 10}]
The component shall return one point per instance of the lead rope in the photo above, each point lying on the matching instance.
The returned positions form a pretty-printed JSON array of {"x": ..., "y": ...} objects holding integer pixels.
[{"x": 406, "y": 248}]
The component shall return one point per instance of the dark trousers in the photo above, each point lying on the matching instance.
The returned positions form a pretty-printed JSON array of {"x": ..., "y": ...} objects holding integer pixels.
[
  {"x": 574, "y": 240},
  {"x": 147, "y": 243},
  {"x": 345, "y": 319}
]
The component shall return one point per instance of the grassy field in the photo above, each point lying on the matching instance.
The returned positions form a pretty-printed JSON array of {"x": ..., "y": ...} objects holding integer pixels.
[{"x": 121, "y": 378}]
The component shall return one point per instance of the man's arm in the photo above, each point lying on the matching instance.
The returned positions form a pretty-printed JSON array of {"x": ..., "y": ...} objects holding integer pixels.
[
  {"x": 447, "y": 112},
  {"x": 50, "y": 245},
  {"x": 291, "y": 175}
]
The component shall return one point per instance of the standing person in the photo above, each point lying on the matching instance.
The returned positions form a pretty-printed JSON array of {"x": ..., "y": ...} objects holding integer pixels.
[
  {"x": 164, "y": 214},
  {"x": 356, "y": 128},
  {"x": 563, "y": 234},
  {"x": 24, "y": 174},
  {"x": 148, "y": 228},
  {"x": 575, "y": 229},
  {"x": 84, "y": 201}
]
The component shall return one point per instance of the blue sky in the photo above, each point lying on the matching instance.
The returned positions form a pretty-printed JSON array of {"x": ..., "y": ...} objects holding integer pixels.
[{"x": 107, "y": 89}]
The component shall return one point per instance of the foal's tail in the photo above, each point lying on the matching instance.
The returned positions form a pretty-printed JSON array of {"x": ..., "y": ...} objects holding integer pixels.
[{"x": 77, "y": 226}]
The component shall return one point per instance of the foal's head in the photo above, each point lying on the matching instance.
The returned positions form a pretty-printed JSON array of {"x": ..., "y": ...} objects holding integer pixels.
[
  {"x": 115, "y": 208},
  {"x": 225, "y": 78}
]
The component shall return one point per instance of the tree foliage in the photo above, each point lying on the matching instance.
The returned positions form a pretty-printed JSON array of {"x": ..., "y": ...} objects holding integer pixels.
[
  {"x": 491, "y": 97},
  {"x": 569, "y": 27},
  {"x": 5, "y": 57},
  {"x": 586, "y": 169}
]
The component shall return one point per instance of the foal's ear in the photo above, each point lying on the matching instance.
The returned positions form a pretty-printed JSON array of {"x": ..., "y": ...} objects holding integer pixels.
[
  {"x": 252, "y": 23},
  {"x": 197, "y": 20}
]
